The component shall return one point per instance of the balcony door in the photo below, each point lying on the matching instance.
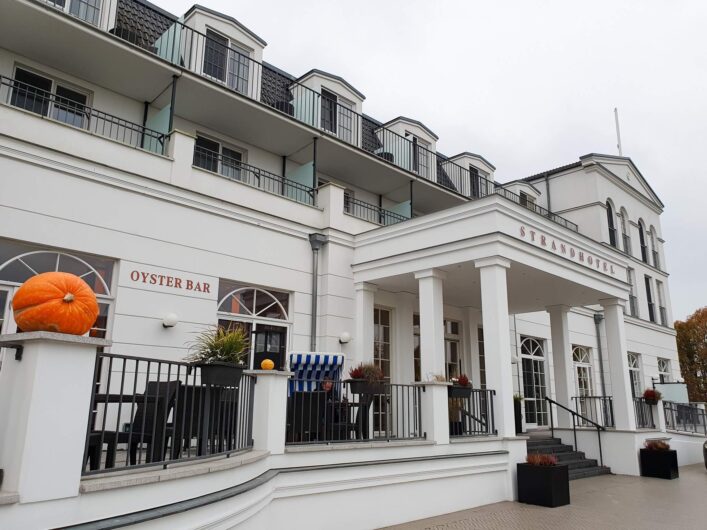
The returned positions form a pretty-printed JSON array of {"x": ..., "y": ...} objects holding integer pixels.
[
  {"x": 534, "y": 385},
  {"x": 382, "y": 323},
  {"x": 583, "y": 381},
  {"x": 226, "y": 62}
]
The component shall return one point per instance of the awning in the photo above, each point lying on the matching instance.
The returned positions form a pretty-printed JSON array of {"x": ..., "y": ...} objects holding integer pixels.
[{"x": 312, "y": 368}]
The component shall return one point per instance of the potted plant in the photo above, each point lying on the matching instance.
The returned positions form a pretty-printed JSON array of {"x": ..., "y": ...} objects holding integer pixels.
[
  {"x": 518, "y": 412},
  {"x": 461, "y": 387},
  {"x": 221, "y": 354},
  {"x": 366, "y": 378},
  {"x": 543, "y": 482},
  {"x": 652, "y": 396},
  {"x": 658, "y": 460}
]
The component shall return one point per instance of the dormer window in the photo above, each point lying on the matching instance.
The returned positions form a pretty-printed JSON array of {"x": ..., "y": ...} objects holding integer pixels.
[
  {"x": 527, "y": 201},
  {"x": 420, "y": 155},
  {"x": 226, "y": 62}
]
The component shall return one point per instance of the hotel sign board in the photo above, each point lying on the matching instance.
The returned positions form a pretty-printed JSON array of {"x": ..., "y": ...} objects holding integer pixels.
[
  {"x": 159, "y": 279},
  {"x": 569, "y": 251}
]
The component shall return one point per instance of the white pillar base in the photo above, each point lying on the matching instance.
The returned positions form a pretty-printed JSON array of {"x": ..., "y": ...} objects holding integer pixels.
[
  {"x": 44, "y": 405},
  {"x": 435, "y": 411},
  {"x": 270, "y": 410}
]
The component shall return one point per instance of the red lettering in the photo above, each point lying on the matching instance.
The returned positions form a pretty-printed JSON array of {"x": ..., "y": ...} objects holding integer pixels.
[
  {"x": 206, "y": 288},
  {"x": 197, "y": 287},
  {"x": 572, "y": 253},
  {"x": 522, "y": 231},
  {"x": 178, "y": 283},
  {"x": 590, "y": 260},
  {"x": 581, "y": 256},
  {"x": 170, "y": 281},
  {"x": 543, "y": 241},
  {"x": 161, "y": 277},
  {"x": 612, "y": 269},
  {"x": 134, "y": 276},
  {"x": 153, "y": 279},
  {"x": 563, "y": 248},
  {"x": 145, "y": 276},
  {"x": 605, "y": 267},
  {"x": 554, "y": 247},
  {"x": 190, "y": 285},
  {"x": 532, "y": 235}
]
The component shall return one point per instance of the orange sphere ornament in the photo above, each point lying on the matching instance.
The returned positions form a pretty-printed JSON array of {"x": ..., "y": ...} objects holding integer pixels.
[
  {"x": 267, "y": 364},
  {"x": 55, "y": 301}
]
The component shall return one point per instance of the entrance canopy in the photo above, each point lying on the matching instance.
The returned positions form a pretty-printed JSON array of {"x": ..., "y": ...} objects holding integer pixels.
[{"x": 549, "y": 265}]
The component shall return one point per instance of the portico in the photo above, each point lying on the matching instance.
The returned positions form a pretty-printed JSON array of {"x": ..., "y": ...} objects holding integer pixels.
[{"x": 487, "y": 261}]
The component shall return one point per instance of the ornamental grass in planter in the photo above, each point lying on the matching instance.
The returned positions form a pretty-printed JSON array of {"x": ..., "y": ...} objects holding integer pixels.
[
  {"x": 652, "y": 396},
  {"x": 543, "y": 482},
  {"x": 658, "y": 460},
  {"x": 461, "y": 387},
  {"x": 366, "y": 378},
  {"x": 221, "y": 353}
]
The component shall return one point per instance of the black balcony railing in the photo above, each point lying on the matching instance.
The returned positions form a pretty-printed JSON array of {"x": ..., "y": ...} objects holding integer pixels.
[
  {"x": 644, "y": 414},
  {"x": 76, "y": 114},
  {"x": 627, "y": 243},
  {"x": 374, "y": 214},
  {"x": 472, "y": 415},
  {"x": 152, "y": 412},
  {"x": 234, "y": 169},
  {"x": 594, "y": 410},
  {"x": 212, "y": 56},
  {"x": 514, "y": 197},
  {"x": 686, "y": 417},
  {"x": 352, "y": 411}
]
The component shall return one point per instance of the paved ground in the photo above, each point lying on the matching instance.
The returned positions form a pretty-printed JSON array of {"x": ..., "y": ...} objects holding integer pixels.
[{"x": 609, "y": 501}]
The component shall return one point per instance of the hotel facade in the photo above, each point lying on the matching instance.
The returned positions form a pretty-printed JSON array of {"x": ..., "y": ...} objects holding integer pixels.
[{"x": 191, "y": 183}]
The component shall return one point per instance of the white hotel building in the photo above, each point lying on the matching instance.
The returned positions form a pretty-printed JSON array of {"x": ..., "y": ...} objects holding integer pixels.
[{"x": 190, "y": 182}]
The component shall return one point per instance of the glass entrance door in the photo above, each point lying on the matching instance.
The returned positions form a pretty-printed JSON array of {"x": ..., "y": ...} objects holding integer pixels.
[
  {"x": 269, "y": 343},
  {"x": 534, "y": 386}
]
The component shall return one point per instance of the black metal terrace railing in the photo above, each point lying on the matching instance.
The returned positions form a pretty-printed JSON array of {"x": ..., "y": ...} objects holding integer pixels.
[
  {"x": 212, "y": 56},
  {"x": 472, "y": 415},
  {"x": 147, "y": 412},
  {"x": 371, "y": 213},
  {"x": 598, "y": 409},
  {"x": 644, "y": 414},
  {"x": 77, "y": 114},
  {"x": 685, "y": 417}
]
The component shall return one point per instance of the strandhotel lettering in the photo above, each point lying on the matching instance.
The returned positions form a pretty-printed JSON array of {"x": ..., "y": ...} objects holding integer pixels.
[{"x": 563, "y": 249}]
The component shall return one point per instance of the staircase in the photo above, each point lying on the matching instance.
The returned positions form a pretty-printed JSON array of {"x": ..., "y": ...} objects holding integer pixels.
[{"x": 579, "y": 466}]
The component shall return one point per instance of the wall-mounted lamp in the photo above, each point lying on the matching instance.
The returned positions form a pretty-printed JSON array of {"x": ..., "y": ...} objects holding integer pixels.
[
  {"x": 170, "y": 320},
  {"x": 345, "y": 337}
]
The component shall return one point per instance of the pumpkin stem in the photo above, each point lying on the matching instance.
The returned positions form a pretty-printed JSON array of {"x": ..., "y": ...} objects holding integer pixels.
[{"x": 69, "y": 297}]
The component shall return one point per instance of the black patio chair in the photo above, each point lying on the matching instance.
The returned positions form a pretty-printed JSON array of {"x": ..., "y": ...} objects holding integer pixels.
[{"x": 149, "y": 426}]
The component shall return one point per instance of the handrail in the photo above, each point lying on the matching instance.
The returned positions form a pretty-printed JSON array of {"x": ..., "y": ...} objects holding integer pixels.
[{"x": 576, "y": 415}]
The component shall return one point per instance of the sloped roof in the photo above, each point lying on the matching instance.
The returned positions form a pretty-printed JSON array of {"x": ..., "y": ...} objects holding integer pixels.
[
  {"x": 225, "y": 17},
  {"x": 335, "y": 77}
]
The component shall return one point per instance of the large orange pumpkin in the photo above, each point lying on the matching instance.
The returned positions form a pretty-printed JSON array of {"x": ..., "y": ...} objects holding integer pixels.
[{"x": 55, "y": 301}]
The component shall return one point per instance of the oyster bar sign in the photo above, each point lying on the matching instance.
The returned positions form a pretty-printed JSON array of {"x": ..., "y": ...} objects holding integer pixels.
[
  {"x": 149, "y": 278},
  {"x": 564, "y": 249}
]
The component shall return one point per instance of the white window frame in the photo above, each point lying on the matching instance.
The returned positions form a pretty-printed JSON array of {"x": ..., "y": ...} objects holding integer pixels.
[
  {"x": 232, "y": 46},
  {"x": 635, "y": 368},
  {"x": 664, "y": 370}
]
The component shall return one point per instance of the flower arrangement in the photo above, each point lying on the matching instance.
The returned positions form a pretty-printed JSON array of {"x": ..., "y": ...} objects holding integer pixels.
[
  {"x": 462, "y": 380},
  {"x": 368, "y": 372},
  {"x": 656, "y": 445},
  {"x": 652, "y": 396},
  {"x": 541, "y": 460},
  {"x": 517, "y": 397}
]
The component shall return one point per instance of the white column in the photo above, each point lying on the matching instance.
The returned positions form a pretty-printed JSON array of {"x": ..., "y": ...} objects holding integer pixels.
[
  {"x": 431, "y": 285},
  {"x": 363, "y": 339},
  {"x": 497, "y": 340},
  {"x": 624, "y": 414},
  {"x": 435, "y": 409},
  {"x": 270, "y": 410},
  {"x": 44, "y": 405},
  {"x": 472, "y": 333},
  {"x": 562, "y": 361}
]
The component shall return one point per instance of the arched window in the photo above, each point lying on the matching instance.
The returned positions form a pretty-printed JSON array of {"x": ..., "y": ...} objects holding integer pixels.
[
  {"x": 654, "y": 247},
  {"x": 580, "y": 354},
  {"x": 262, "y": 314},
  {"x": 21, "y": 262},
  {"x": 642, "y": 240},
  {"x": 623, "y": 225},
  {"x": 634, "y": 373},
  {"x": 612, "y": 225},
  {"x": 534, "y": 385}
]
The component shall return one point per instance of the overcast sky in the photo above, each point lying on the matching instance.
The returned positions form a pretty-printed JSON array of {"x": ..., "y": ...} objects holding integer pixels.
[{"x": 530, "y": 85}]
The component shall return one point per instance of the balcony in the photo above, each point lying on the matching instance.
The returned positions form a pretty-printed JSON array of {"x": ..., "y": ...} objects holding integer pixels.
[
  {"x": 597, "y": 409},
  {"x": 185, "y": 48},
  {"x": 644, "y": 414},
  {"x": 73, "y": 112},
  {"x": 234, "y": 169},
  {"x": 371, "y": 213}
]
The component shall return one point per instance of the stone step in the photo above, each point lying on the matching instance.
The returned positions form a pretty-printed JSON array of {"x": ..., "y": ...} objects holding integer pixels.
[
  {"x": 532, "y": 442},
  {"x": 580, "y": 463},
  {"x": 585, "y": 472},
  {"x": 571, "y": 455},
  {"x": 551, "y": 449}
]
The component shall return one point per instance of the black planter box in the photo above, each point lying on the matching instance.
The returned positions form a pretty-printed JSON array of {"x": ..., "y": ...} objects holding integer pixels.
[
  {"x": 458, "y": 391},
  {"x": 361, "y": 386},
  {"x": 651, "y": 402},
  {"x": 219, "y": 373},
  {"x": 518, "y": 413},
  {"x": 659, "y": 464},
  {"x": 544, "y": 485}
]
